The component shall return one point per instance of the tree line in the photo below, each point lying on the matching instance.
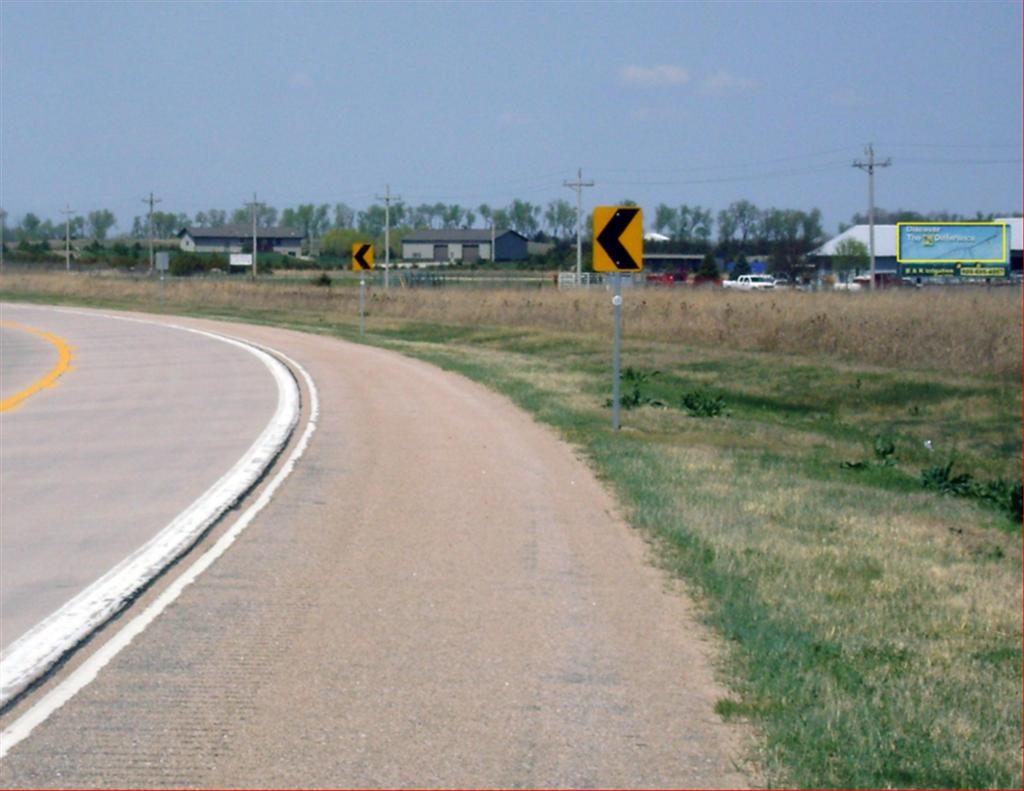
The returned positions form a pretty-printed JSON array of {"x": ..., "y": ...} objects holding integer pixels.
[{"x": 740, "y": 227}]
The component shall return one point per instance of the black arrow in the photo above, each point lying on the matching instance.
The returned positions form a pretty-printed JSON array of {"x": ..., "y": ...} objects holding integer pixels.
[
  {"x": 609, "y": 239},
  {"x": 363, "y": 263}
]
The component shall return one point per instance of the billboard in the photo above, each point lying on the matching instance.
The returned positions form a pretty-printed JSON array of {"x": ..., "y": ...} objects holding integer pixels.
[{"x": 953, "y": 249}]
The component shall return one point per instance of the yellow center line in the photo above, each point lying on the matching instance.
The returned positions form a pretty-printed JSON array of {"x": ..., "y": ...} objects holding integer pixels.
[{"x": 63, "y": 365}]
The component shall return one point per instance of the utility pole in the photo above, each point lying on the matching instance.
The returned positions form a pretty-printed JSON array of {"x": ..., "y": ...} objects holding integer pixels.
[
  {"x": 387, "y": 197},
  {"x": 578, "y": 185},
  {"x": 67, "y": 211},
  {"x": 870, "y": 166},
  {"x": 152, "y": 202},
  {"x": 255, "y": 206}
]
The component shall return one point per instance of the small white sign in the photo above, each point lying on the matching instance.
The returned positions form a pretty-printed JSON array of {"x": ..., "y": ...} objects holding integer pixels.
[
  {"x": 163, "y": 261},
  {"x": 241, "y": 259}
]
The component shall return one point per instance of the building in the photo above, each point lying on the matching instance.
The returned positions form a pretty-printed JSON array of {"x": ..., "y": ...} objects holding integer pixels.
[
  {"x": 885, "y": 245},
  {"x": 235, "y": 238},
  {"x": 464, "y": 245}
]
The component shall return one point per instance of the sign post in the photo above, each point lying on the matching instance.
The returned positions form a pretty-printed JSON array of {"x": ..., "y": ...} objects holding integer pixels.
[
  {"x": 362, "y": 259},
  {"x": 619, "y": 237},
  {"x": 163, "y": 264}
]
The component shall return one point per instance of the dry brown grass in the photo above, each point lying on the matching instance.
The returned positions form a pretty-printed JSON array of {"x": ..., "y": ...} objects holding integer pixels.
[{"x": 968, "y": 329}]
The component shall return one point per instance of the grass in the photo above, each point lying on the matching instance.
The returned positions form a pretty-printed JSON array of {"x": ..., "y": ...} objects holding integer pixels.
[{"x": 872, "y": 627}]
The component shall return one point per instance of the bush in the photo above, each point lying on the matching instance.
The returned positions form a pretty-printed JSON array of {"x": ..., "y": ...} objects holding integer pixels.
[
  {"x": 701, "y": 403},
  {"x": 185, "y": 264}
]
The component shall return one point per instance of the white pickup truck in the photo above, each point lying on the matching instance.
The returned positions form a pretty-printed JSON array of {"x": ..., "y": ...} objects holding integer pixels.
[{"x": 751, "y": 283}]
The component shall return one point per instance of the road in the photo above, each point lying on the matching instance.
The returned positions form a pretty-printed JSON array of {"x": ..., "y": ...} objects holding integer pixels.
[
  {"x": 440, "y": 595},
  {"x": 138, "y": 427}
]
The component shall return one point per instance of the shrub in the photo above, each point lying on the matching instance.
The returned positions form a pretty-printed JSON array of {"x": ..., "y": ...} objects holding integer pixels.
[{"x": 701, "y": 403}]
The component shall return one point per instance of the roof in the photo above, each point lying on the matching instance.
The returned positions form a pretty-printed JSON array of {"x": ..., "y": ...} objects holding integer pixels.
[
  {"x": 885, "y": 237},
  {"x": 456, "y": 235},
  {"x": 885, "y": 240},
  {"x": 241, "y": 231},
  {"x": 1016, "y": 230}
]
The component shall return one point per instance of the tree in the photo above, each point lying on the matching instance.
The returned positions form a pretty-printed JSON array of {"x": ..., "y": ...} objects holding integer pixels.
[
  {"x": 850, "y": 256},
  {"x": 485, "y": 212},
  {"x": 501, "y": 219},
  {"x": 100, "y": 222},
  {"x": 344, "y": 216},
  {"x": 266, "y": 216},
  {"x": 665, "y": 218},
  {"x": 560, "y": 218},
  {"x": 338, "y": 242},
  {"x": 708, "y": 269},
  {"x": 741, "y": 266},
  {"x": 726, "y": 228},
  {"x": 523, "y": 216},
  {"x": 453, "y": 216},
  {"x": 746, "y": 219},
  {"x": 371, "y": 221},
  {"x": 29, "y": 229}
]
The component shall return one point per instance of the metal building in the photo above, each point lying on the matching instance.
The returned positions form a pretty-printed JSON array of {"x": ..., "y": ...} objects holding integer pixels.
[{"x": 464, "y": 245}]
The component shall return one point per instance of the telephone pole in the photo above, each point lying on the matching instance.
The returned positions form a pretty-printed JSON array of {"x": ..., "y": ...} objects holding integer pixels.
[
  {"x": 870, "y": 166},
  {"x": 387, "y": 197},
  {"x": 152, "y": 202},
  {"x": 578, "y": 185},
  {"x": 255, "y": 206},
  {"x": 67, "y": 211}
]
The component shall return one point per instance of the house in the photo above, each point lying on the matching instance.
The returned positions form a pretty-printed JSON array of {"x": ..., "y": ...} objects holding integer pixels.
[
  {"x": 467, "y": 245},
  {"x": 235, "y": 238}
]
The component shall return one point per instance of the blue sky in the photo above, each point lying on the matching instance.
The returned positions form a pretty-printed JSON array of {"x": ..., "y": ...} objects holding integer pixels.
[{"x": 472, "y": 102}]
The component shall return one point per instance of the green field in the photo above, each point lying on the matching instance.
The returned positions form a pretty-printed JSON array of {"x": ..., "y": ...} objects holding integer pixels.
[{"x": 845, "y": 520}]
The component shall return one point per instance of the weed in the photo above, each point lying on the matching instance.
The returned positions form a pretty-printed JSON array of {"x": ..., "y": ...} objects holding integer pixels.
[
  {"x": 701, "y": 403},
  {"x": 636, "y": 381}
]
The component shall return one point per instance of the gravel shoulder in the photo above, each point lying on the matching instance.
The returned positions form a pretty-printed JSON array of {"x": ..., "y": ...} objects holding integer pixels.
[{"x": 441, "y": 595}]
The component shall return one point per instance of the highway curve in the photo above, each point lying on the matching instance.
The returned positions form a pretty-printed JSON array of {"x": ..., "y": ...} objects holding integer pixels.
[{"x": 440, "y": 595}]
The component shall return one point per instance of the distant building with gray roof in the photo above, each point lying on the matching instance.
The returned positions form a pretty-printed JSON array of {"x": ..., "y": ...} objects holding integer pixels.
[{"x": 233, "y": 238}]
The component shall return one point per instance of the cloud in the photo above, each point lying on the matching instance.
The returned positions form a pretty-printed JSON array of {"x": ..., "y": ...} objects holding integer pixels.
[
  {"x": 723, "y": 81},
  {"x": 648, "y": 76}
]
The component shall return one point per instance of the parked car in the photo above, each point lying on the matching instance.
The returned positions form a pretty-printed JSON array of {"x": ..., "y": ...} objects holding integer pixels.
[{"x": 751, "y": 283}]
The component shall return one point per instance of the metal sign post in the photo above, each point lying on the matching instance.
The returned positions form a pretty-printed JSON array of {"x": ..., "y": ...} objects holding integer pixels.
[
  {"x": 163, "y": 264},
  {"x": 362, "y": 305},
  {"x": 619, "y": 247},
  {"x": 616, "y": 349}
]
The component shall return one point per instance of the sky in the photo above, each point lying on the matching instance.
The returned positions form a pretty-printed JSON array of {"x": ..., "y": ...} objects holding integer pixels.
[{"x": 480, "y": 102}]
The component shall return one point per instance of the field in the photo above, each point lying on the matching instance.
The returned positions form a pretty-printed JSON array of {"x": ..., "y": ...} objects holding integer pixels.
[{"x": 831, "y": 474}]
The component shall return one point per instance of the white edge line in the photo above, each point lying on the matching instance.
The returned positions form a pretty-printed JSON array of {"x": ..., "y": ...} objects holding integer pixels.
[{"x": 37, "y": 651}]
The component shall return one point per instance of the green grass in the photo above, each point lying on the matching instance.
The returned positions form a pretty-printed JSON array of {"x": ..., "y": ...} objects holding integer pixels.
[{"x": 872, "y": 628}]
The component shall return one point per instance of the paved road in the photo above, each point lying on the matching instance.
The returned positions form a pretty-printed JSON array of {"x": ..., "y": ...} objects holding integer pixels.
[
  {"x": 441, "y": 595},
  {"x": 146, "y": 419}
]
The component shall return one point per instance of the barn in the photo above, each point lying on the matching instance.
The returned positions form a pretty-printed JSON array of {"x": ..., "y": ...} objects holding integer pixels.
[{"x": 466, "y": 245}]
